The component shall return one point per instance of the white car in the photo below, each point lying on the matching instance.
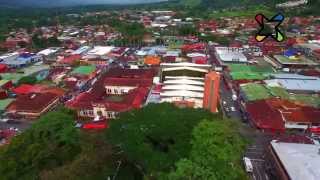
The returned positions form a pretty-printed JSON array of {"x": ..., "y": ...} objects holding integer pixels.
[
  {"x": 248, "y": 164},
  {"x": 4, "y": 120}
]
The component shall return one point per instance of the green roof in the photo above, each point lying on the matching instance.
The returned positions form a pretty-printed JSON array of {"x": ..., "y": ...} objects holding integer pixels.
[
  {"x": 249, "y": 72},
  {"x": 278, "y": 92},
  {"x": 3, "y": 82},
  {"x": 14, "y": 77},
  {"x": 255, "y": 91},
  {"x": 4, "y": 103},
  {"x": 247, "y": 76},
  {"x": 311, "y": 100},
  {"x": 84, "y": 70}
]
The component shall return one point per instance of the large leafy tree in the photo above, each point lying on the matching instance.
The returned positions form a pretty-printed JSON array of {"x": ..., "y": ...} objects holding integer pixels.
[
  {"x": 157, "y": 136},
  {"x": 49, "y": 143},
  {"x": 216, "y": 152}
]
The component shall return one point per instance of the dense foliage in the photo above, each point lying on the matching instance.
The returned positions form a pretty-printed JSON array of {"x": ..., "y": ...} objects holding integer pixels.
[
  {"x": 49, "y": 143},
  {"x": 215, "y": 154},
  {"x": 158, "y": 136},
  {"x": 160, "y": 141}
]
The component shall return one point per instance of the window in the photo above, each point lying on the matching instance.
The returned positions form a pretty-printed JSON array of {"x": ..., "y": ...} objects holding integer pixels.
[
  {"x": 110, "y": 114},
  {"x": 115, "y": 91}
]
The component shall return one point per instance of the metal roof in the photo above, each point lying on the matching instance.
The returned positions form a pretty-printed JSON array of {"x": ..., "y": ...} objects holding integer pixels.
[{"x": 301, "y": 161}]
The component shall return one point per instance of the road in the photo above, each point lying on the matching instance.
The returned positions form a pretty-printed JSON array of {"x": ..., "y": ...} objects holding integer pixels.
[
  {"x": 21, "y": 126},
  {"x": 256, "y": 151},
  {"x": 225, "y": 92}
]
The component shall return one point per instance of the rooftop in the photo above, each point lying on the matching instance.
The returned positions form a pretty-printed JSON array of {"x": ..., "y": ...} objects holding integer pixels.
[
  {"x": 301, "y": 60},
  {"x": 4, "y": 103},
  {"x": 301, "y": 161},
  {"x": 249, "y": 72},
  {"x": 84, "y": 70},
  {"x": 255, "y": 91}
]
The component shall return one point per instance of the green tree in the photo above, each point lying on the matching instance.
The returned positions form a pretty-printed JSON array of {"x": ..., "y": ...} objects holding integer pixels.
[
  {"x": 49, "y": 143},
  {"x": 156, "y": 136},
  {"x": 216, "y": 153}
]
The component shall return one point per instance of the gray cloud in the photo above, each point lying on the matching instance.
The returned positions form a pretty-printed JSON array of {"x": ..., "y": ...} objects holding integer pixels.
[{"x": 70, "y": 2}]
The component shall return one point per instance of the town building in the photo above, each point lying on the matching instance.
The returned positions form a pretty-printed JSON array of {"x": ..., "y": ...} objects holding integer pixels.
[
  {"x": 293, "y": 161},
  {"x": 211, "y": 91},
  {"x": 189, "y": 84},
  {"x": 33, "y": 105},
  {"x": 118, "y": 90}
]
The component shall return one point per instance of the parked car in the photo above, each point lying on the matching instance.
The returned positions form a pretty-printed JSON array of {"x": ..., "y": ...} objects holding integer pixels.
[
  {"x": 233, "y": 109},
  {"x": 247, "y": 164},
  {"x": 4, "y": 120}
]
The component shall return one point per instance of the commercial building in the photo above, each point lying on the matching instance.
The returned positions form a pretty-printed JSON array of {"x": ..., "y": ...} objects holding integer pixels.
[
  {"x": 295, "y": 82},
  {"x": 211, "y": 91},
  {"x": 293, "y": 161},
  {"x": 183, "y": 83},
  {"x": 226, "y": 55}
]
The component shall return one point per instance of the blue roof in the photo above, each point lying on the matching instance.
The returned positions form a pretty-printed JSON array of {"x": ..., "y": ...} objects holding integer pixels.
[
  {"x": 293, "y": 76},
  {"x": 290, "y": 52},
  {"x": 26, "y": 55},
  {"x": 296, "y": 82}
]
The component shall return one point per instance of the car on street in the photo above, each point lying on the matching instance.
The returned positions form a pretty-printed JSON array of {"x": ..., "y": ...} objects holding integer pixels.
[
  {"x": 233, "y": 109},
  {"x": 4, "y": 120},
  {"x": 248, "y": 164}
]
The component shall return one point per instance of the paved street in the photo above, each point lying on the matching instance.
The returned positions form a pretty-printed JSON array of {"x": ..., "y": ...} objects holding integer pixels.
[{"x": 21, "y": 126}]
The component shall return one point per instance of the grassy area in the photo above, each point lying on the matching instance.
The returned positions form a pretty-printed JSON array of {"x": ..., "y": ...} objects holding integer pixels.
[{"x": 256, "y": 91}]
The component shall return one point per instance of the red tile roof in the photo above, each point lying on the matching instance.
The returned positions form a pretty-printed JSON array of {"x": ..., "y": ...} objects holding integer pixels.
[
  {"x": 23, "y": 89},
  {"x": 128, "y": 82},
  {"x": 98, "y": 95},
  {"x": 273, "y": 113},
  {"x": 33, "y": 102},
  {"x": 70, "y": 59},
  {"x": 131, "y": 73},
  {"x": 263, "y": 116}
]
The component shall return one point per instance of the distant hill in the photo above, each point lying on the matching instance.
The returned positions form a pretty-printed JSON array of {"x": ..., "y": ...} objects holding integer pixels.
[
  {"x": 311, "y": 8},
  {"x": 62, "y": 3}
]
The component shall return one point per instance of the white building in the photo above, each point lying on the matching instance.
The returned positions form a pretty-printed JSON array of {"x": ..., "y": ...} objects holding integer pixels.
[{"x": 183, "y": 82}]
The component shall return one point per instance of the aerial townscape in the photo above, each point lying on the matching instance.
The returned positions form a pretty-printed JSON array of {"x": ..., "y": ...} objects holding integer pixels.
[{"x": 168, "y": 90}]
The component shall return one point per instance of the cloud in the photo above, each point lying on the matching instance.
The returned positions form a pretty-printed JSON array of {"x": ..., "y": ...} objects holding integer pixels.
[{"x": 70, "y": 2}]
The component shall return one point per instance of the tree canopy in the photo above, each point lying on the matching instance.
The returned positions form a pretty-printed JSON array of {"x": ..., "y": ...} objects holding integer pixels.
[
  {"x": 49, "y": 143},
  {"x": 216, "y": 153},
  {"x": 158, "y": 136}
]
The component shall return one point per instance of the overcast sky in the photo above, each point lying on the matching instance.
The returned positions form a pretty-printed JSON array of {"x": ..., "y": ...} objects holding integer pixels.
[{"x": 71, "y": 2}]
